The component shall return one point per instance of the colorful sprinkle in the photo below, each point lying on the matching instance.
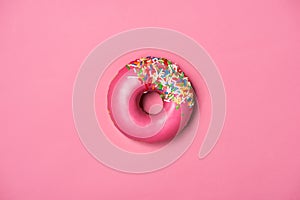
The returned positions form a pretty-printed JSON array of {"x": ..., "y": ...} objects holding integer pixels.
[{"x": 166, "y": 77}]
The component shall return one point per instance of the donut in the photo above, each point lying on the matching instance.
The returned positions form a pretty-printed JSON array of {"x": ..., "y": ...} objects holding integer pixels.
[{"x": 150, "y": 99}]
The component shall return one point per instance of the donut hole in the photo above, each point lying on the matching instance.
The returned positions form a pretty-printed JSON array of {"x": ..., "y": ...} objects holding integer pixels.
[{"x": 151, "y": 103}]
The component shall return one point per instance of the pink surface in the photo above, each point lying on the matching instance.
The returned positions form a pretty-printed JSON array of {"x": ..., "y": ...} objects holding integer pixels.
[
  {"x": 152, "y": 103},
  {"x": 256, "y": 47}
]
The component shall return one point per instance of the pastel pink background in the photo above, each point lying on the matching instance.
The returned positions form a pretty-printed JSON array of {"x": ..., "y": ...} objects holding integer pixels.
[{"x": 256, "y": 47}]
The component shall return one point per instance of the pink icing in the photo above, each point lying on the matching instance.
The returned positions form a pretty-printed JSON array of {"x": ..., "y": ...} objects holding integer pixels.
[{"x": 124, "y": 105}]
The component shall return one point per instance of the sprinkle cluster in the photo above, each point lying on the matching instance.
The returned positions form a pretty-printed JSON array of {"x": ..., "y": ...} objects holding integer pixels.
[{"x": 165, "y": 77}]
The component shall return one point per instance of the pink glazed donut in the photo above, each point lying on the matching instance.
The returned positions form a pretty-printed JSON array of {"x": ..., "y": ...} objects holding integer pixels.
[{"x": 150, "y": 99}]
